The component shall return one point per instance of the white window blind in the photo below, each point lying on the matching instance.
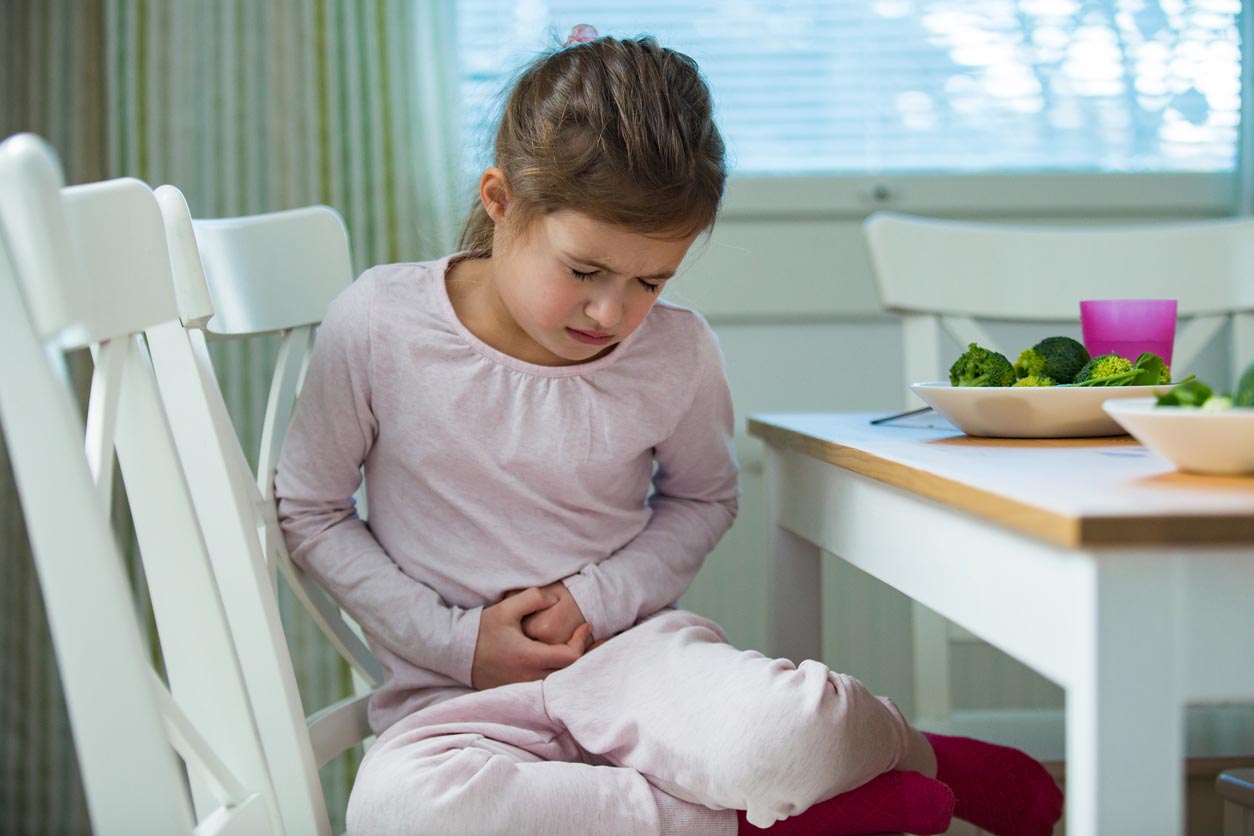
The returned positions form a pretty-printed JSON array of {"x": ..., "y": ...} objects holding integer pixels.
[{"x": 871, "y": 86}]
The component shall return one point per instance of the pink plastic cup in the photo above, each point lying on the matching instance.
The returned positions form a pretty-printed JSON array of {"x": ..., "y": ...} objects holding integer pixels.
[{"x": 1129, "y": 327}]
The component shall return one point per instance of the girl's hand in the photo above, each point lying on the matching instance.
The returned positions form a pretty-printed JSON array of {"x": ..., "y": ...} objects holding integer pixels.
[
  {"x": 504, "y": 655},
  {"x": 558, "y": 623}
]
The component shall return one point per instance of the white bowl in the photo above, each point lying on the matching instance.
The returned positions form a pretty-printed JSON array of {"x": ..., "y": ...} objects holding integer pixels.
[
  {"x": 1029, "y": 411},
  {"x": 1194, "y": 440}
]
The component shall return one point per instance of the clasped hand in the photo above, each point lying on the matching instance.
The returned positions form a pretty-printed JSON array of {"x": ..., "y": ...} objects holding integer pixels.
[{"x": 528, "y": 635}]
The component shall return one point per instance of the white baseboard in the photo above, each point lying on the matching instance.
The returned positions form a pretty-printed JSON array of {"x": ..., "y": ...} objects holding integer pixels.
[{"x": 1212, "y": 731}]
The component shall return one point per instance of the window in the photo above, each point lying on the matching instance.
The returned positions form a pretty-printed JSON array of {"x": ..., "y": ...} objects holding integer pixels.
[{"x": 916, "y": 86}]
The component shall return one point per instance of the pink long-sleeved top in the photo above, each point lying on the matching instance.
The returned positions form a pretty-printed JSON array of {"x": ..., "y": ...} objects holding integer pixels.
[{"x": 485, "y": 474}]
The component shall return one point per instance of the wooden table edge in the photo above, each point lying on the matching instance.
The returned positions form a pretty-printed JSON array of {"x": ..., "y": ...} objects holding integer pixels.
[{"x": 1042, "y": 523}]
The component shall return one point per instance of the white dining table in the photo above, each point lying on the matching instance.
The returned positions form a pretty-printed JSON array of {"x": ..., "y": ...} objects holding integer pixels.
[{"x": 1093, "y": 561}]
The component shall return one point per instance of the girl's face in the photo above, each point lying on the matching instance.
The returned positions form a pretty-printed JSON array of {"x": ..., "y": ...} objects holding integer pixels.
[{"x": 574, "y": 287}]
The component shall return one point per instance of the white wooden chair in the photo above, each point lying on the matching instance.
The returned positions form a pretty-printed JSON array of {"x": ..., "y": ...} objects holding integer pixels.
[
  {"x": 942, "y": 276},
  {"x": 235, "y": 279},
  {"x": 87, "y": 267}
]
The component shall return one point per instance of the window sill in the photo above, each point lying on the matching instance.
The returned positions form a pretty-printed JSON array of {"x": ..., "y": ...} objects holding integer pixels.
[{"x": 1033, "y": 195}]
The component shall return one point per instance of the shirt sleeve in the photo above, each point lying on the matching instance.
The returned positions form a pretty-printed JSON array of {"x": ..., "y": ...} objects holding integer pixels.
[
  {"x": 332, "y": 430},
  {"x": 694, "y": 502}
]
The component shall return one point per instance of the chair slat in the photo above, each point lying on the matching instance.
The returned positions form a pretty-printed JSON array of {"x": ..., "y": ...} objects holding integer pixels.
[
  {"x": 1242, "y": 341},
  {"x": 196, "y": 752},
  {"x": 247, "y": 818},
  {"x": 102, "y": 415},
  {"x": 324, "y": 613},
  {"x": 920, "y": 334},
  {"x": 293, "y": 356},
  {"x": 1194, "y": 336},
  {"x": 330, "y": 621},
  {"x": 339, "y": 727},
  {"x": 966, "y": 330}
]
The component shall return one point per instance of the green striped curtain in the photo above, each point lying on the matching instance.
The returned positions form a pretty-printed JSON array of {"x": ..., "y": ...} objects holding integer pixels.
[{"x": 246, "y": 107}]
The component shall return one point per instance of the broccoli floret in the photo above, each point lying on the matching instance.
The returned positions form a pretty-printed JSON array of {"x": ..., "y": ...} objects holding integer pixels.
[
  {"x": 1243, "y": 395},
  {"x": 1058, "y": 358},
  {"x": 1103, "y": 366},
  {"x": 981, "y": 367},
  {"x": 1035, "y": 380},
  {"x": 1218, "y": 403},
  {"x": 1031, "y": 362}
]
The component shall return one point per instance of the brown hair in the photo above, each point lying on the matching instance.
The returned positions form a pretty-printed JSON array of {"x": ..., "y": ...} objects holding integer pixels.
[{"x": 619, "y": 130}]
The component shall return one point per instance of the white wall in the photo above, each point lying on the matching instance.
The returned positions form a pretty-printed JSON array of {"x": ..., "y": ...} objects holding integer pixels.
[{"x": 785, "y": 281}]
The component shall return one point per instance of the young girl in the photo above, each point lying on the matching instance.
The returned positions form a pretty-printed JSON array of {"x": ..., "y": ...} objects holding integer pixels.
[{"x": 548, "y": 453}]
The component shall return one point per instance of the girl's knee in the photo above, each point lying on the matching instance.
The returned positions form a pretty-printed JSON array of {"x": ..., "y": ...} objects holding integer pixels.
[
  {"x": 824, "y": 730},
  {"x": 406, "y": 793},
  {"x": 808, "y": 734}
]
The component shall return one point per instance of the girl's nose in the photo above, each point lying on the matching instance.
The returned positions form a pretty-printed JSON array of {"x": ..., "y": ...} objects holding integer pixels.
[{"x": 605, "y": 309}]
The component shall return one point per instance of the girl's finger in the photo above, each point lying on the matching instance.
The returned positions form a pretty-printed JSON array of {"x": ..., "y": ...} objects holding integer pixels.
[
  {"x": 581, "y": 639},
  {"x": 552, "y": 657},
  {"x": 526, "y": 602}
]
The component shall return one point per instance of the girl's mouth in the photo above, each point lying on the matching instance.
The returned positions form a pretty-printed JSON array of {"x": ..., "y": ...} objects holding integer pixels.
[{"x": 590, "y": 338}]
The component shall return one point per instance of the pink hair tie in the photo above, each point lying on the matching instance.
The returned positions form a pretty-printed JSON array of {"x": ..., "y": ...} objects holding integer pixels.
[{"x": 581, "y": 34}]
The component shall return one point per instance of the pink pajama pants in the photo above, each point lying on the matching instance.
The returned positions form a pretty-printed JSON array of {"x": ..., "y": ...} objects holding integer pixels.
[{"x": 664, "y": 729}]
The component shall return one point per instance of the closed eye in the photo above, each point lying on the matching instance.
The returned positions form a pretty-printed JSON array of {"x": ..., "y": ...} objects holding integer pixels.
[{"x": 652, "y": 287}]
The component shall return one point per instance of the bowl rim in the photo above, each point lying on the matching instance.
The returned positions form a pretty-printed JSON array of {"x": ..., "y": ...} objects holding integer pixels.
[{"x": 1147, "y": 406}]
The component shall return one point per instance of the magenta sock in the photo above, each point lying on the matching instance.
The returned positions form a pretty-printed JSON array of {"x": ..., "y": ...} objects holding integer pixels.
[
  {"x": 908, "y": 801},
  {"x": 997, "y": 788}
]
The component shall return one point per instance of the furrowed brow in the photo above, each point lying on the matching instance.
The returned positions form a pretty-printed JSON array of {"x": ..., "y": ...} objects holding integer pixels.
[{"x": 592, "y": 262}]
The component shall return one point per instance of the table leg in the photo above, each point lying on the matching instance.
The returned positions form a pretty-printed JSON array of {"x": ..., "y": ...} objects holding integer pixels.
[
  {"x": 794, "y": 623},
  {"x": 1125, "y": 720},
  {"x": 795, "y": 600}
]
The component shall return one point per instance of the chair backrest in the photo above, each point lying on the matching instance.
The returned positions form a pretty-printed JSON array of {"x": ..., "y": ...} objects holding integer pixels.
[
  {"x": 272, "y": 272},
  {"x": 941, "y": 274},
  {"x": 87, "y": 267},
  {"x": 303, "y": 253}
]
